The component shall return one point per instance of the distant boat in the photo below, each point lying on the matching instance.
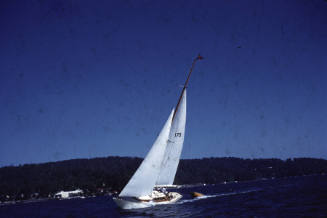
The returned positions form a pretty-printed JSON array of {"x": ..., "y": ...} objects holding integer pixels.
[{"x": 159, "y": 167}]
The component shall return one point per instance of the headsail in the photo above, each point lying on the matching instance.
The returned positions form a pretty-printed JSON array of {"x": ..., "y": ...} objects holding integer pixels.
[
  {"x": 145, "y": 177},
  {"x": 176, "y": 137}
]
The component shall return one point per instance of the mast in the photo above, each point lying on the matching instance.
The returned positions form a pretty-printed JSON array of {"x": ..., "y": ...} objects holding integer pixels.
[{"x": 199, "y": 57}]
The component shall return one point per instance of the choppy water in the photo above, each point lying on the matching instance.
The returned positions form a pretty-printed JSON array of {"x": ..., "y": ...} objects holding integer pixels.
[{"x": 289, "y": 197}]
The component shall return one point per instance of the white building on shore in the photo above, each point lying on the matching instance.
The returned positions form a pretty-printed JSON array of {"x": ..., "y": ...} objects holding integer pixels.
[{"x": 69, "y": 194}]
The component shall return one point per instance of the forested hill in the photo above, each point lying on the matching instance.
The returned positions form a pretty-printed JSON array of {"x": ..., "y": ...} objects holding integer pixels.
[{"x": 103, "y": 175}]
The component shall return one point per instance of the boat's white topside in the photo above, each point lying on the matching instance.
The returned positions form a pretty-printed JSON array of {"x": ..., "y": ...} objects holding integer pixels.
[{"x": 135, "y": 204}]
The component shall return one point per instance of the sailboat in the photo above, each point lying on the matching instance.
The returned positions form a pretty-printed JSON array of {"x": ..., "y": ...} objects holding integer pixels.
[{"x": 159, "y": 167}]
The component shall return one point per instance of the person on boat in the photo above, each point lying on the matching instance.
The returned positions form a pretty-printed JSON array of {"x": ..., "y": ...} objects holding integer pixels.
[{"x": 166, "y": 193}]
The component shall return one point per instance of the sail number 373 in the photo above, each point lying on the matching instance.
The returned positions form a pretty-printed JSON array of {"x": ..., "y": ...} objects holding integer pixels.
[{"x": 178, "y": 134}]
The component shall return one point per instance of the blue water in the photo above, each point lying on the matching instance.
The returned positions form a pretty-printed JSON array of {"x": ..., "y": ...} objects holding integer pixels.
[{"x": 304, "y": 196}]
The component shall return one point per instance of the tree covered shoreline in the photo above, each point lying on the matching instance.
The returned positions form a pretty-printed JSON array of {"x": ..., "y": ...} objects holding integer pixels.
[{"x": 99, "y": 176}]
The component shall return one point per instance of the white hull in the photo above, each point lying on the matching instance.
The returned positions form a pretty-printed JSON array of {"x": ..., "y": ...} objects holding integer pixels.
[
  {"x": 167, "y": 186},
  {"x": 131, "y": 204}
]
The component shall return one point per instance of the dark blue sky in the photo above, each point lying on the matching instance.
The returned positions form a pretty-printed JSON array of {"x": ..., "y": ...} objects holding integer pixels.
[{"x": 83, "y": 79}]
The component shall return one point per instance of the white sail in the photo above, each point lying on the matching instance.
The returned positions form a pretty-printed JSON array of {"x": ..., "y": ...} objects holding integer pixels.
[
  {"x": 160, "y": 165},
  {"x": 174, "y": 146},
  {"x": 144, "y": 179}
]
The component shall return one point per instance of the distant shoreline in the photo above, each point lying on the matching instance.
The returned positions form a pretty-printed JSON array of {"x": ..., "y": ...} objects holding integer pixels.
[
  {"x": 27, "y": 201},
  {"x": 105, "y": 176},
  {"x": 141, "y": 158}
]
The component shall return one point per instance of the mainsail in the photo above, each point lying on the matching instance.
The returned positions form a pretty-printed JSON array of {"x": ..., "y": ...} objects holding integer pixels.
[
  {"x": 174, "y": 145},
  {"x": 176, "y": 137},
  {"x": 144, "y": 179}
]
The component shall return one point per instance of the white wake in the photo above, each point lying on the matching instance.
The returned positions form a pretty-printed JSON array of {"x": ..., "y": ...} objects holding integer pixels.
[{"x": 216, "y": 195}]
